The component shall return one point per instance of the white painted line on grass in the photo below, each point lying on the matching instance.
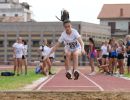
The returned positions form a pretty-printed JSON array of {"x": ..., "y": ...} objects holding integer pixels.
[{"x": 101, "y": 89}]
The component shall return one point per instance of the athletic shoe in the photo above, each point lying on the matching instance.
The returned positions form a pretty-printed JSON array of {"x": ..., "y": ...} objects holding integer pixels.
[
  {"x": 93, "y": 73},
  {"x": 76, "y": 75},
  {"x": 107, "y": 73},
  {"x": 50, "y": 73},
  {"x": 68, "y": 75}
]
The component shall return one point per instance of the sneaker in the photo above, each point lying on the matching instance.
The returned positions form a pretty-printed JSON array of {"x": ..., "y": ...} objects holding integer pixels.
[
  {"x": 76, "y": 75},
  {"x": 107, "y": 73},
  {"x": 68, "y": 75},
  {"x": 50, "y": 73},
  {"x": 93, "y": 73}
]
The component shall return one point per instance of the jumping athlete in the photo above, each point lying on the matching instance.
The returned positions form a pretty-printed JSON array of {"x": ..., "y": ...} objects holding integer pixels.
[{"x": 73, "y": 47}]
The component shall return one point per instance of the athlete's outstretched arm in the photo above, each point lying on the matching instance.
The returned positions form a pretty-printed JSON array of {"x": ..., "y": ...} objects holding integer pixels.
[
  {"x": 53, "y": 50},
  {"x": 82, "y": 44}
]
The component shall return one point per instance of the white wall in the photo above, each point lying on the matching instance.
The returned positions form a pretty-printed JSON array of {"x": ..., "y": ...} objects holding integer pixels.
[
  {"x": 2, "y": 6},
  {"x": 120, "y": 24}
]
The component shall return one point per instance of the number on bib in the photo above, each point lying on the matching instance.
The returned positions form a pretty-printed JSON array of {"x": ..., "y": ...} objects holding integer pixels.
[{"x": 72, "y": 45}]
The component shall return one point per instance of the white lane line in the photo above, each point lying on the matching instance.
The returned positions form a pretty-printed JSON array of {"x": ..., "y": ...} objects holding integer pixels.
[
  {"x": 45, "y": 82},
  {"x": 70, "y": 86},
  {"x": 101, "y": 89}
]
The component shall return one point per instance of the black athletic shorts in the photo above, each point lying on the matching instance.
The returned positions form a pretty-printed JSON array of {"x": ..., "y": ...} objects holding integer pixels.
[
  {"x": 42, "y": 57},
  {"x": 128, "y": 61},
  {"x": 109, "y": 55},
  {"x": 24, "y": 56},
  {"x": 120, "y": 56},
  {"x": 104, "y": 56},
  {"x": 64, "y": 57}
]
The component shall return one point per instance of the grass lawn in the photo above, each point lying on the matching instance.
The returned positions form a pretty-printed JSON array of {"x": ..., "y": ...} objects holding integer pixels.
[
  {"x": 127, "y": 75},
  {"x": 16, "y": 82}
]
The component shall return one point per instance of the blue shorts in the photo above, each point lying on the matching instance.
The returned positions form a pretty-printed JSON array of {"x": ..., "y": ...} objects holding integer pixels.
[
  {"x": 113, "y": 54},
  {"x": 92, "y": 55}
]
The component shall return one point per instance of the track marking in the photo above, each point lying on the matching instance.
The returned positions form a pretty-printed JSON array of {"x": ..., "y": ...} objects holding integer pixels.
[
  {"x": 70, "y": 86},
  {"x": 45, "y": 83},
  {"x": 92, "y": 82}
]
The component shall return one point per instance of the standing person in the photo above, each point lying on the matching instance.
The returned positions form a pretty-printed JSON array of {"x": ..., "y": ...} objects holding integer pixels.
[
  {"x": 120, "y": 57},
  {"x": 14, "y": 57},
  {"x": 18, "y": 52},
  {"x": 73, "y": 47},
  {"x": 128, "y": 52},
  {"x": 104, "y": 52},
  {"x": 92, "y": 55},
  {"x": 112, "y": 55},
  {"x": 52, "y": 56},
  {"x": 24, "y": 57},
  {"x": 46, "y": 63}
]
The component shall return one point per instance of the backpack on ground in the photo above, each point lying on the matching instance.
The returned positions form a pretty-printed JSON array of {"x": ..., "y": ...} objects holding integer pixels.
[
  {"x": 7, "y": 74},
  {"x": 38, "y": 69}
]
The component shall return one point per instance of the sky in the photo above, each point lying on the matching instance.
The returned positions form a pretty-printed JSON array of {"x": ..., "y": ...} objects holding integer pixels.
[{"x": 80, "y": 10}]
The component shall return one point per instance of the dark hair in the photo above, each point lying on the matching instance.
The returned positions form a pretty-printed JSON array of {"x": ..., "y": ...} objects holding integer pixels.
[
  {"x": 66, "y": 21},
  {"x": 24, "y": 42},
  {"x": 64, "y": 15},
  {"x": 92, "y": 41},
  {"x": 110, "y": 40}
]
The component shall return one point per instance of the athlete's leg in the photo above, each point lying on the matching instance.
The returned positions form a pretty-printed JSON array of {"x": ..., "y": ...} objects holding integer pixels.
[
  {"x": 75, "y": 55},
  {"x": 25, "y": 65},
  {"x": 20, "y": 65},
  {"x": 68, "y": 59},
  {"x": 68, "y": 68},
  {"x": 49, "y": 65},
  {"x": 122, "y": 66},
  {"x": 15, "y": 65}
]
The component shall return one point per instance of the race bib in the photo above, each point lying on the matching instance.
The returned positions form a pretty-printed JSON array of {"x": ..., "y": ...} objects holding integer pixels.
[{"x": 73, "y": 45}]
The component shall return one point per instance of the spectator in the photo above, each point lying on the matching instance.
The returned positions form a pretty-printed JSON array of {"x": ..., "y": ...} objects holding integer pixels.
[
  {"x": 120, "y": 57},
  {"x": 128, "y": 52},
  {"x": 18, "y": 53},
  {"x": 24, "y": 57},
  {"x": 92, "y": 55}
]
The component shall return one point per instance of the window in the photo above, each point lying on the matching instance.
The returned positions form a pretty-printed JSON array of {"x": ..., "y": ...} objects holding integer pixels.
[
  {"x": 16, "y": 15},
  {"x": 113, "y": 26},
  {"x": 35, "y": 43},
  {"x": 10, "y": 43},
  {"x": 4, "y": 15},
  {"x": 1, "y": 43}
]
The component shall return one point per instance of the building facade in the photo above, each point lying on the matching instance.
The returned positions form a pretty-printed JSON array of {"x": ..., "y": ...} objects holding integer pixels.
[
  {"x": 116, "y": 16},
  {"x": 35, "y": 32},
  {"x": 13, "y": 11}
]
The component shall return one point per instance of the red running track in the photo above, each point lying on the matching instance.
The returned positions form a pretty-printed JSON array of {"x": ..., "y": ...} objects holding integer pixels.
[{"x": 99, "y": 82}]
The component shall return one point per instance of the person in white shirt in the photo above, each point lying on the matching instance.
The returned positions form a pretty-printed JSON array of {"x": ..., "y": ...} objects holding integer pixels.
[
  {"x": 18, "y": 53},
  {"x": 73, "y": 47},
  {"x": 24, "y": 57},
  {"x": 46, "y": 63},
  {"x": 104, "y": 50}
]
